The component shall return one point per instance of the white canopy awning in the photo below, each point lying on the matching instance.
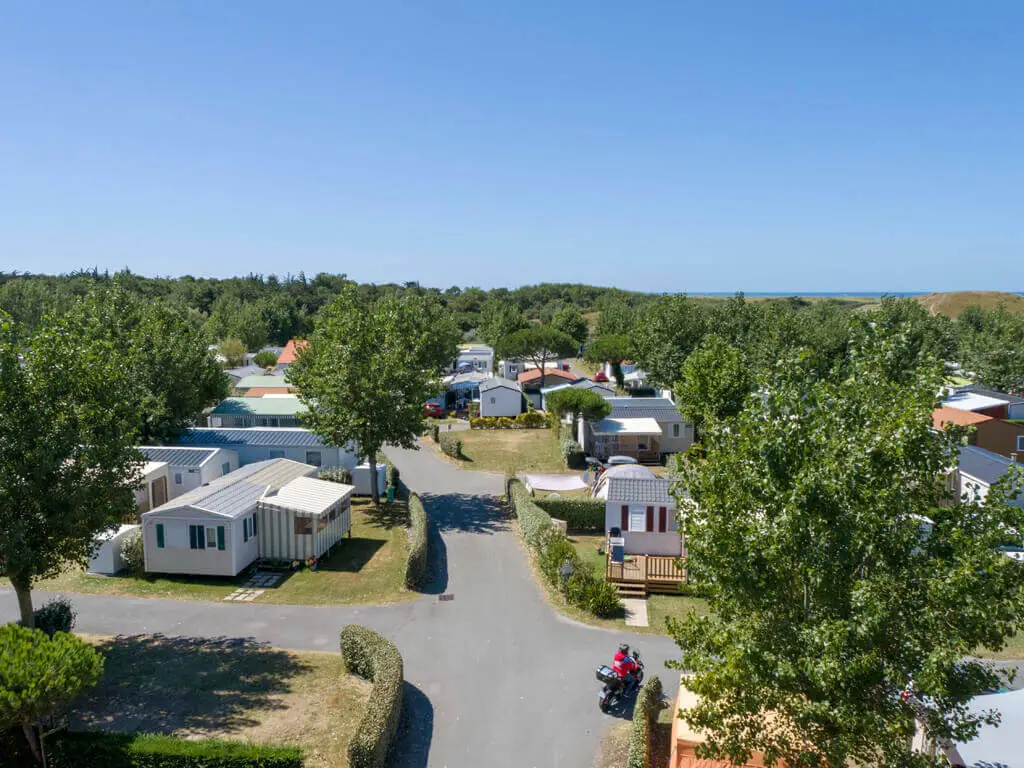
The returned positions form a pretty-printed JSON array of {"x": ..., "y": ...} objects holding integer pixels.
[{"x": 639, "y": 426}]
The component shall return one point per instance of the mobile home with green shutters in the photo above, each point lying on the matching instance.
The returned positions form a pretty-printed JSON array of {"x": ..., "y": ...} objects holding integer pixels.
[{"x": 214, "y": 530}]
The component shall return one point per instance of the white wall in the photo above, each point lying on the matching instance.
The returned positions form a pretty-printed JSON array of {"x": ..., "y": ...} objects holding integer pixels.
[
  {"x": 654, "y": 542},
  {"x": 193, "y": 477},
  {"x": 361, "y": 479},
  {"x": 107, "y": 560},
  {"x": 670, "y": 443},
  {"x": 501, "y": 401},
  {"x": 176, "y": 556},
  {"x": 330, "y": 456}
]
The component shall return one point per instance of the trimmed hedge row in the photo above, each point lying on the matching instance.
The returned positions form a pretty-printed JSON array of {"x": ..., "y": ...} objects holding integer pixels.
[
  {"x": 553, "y": 549},
  {"x": 133, "y": 750},
  {"x": 645, "y": 715},
  {"x": 525, "y": 420},
  {"x": 373, "y": 657},
  {"x": 450, "y": 445},
  {"x": 419, "y": 552},
  {"x": 579, "y": 514},
  {"x": 572, "y": 454}
]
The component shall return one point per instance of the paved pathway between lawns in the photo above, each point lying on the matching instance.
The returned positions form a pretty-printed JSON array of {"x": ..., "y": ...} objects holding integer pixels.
[{"x": 496, "y": 678}]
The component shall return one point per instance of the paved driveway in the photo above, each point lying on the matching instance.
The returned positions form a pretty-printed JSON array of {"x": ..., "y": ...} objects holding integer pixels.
[{"x": 496, "y": 678}]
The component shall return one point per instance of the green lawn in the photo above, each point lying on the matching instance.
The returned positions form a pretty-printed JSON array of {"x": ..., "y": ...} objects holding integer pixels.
[
  {"x": 226, "y": 689},
  {"x": 367, "y": 568},
  {"x": 515, "y": 450}
]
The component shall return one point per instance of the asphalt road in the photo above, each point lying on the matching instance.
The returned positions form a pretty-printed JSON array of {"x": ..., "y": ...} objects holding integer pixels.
[{"x": 495, "y": 677}]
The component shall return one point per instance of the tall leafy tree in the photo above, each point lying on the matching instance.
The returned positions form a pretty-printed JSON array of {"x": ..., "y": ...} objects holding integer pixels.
[
  {"x": 537, "y": 344},
  {"x": 670, "y": 328},
  {"x": 38, "y": 674},
  {"x": 68, "y": 468},
  {"x": 368, "y": 370},
  {"x": 569, "y": 321},
  {"x": 499, "y": 319},
  {"x": 830, "y": 598},
  {"x": 714, "y": 382},
  {"x": 578, "y": 402},
  {"x": 616, "y": 317},
  {"x": 178, "y": 375}
]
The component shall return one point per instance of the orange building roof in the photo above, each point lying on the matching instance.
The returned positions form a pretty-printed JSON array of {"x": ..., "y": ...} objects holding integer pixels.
[
  {"x": 291, "y": 351},
  {"x": 944, "y": 415},
  {"x": 535, "y": 373}
]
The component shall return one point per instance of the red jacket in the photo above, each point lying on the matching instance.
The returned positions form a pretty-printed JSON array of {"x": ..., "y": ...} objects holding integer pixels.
[{"x": 623, "y": 664}]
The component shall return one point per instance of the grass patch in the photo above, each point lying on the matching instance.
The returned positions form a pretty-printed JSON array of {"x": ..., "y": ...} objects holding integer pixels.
[
  {"x": 367, "y": 568},
  {"x": 519, "y": 450},
  {"x": 226, "y": 689}
]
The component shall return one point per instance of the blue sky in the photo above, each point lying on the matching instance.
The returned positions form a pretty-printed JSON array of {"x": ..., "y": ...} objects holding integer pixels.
[{"x": 664, "y": 146}]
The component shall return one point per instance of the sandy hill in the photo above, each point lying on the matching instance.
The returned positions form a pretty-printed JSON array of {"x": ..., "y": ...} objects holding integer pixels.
[{"x": 953, "y": 303}]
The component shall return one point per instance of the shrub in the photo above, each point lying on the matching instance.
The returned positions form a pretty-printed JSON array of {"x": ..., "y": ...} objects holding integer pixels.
[
  {"x": 264, "y": 359},
  {"x": 451, "y": 445},
  {"x": 56, "y": 616},
  {"x": 558, "y": 550},
  {"x": 483, "y": 422},
  {"x": 594, "y": 595},
  {"x": 434, "y": 431},
  {"x": 419, "y": 553},
  {"x": 132, "y": 554},
  {"x": 572, "y": 453},
  {"x": 392, "y": 476},
  {"x": 579, "y": 514},
  {"x": 337, "y": 475},
  {"x": 504, "y": 422},
  {"x": 645, "y": 715},
  {"x": 532, "y": 419},
  {"x": 372, "y": 657},
  {"x": 133, "y": 750},
  {"x": 474, "y": 410}
]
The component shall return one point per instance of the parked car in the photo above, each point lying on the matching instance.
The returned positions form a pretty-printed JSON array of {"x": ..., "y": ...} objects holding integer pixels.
[
  {"x": 600, "y": 376},
  {"x": 433, "y": 410},
  {"x": 615, "y": 461}
]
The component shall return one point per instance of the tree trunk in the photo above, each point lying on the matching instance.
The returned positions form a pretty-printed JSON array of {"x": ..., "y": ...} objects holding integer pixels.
[
  {"x": 30, "y": 737},
  {"x": 371, "y": 459},
  {"x": 23, "y": 589}
]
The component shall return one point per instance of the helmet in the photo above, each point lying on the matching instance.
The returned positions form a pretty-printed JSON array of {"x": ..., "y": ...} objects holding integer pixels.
[{"x": 624, "y": 648}]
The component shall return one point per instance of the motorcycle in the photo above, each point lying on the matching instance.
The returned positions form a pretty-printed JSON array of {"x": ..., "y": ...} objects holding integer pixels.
[{"x": 615, "y": 688}]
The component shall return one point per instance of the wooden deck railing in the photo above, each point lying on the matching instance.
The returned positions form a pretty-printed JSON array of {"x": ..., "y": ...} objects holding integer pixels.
[{"x": 644, "y": 569}]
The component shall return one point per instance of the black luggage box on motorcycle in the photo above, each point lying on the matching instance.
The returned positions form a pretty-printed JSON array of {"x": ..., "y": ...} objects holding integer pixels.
[{"x": 606, "y": 674}]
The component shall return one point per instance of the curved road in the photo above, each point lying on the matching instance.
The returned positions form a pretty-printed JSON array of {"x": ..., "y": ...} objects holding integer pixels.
[{"x": 495, "y": 677}]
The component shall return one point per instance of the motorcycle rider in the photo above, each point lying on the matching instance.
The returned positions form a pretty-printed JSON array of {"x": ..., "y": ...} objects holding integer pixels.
[{"x": 625, "y": 667}]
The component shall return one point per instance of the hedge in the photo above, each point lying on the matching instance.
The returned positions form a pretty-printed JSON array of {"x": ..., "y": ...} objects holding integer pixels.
[
  {"x": 391, "y": 474},
  {"x": 336, "y": 475},
  {"x": 572, "y": 454},
  {"x": 373, "y": 657},
  {"x": 132, "y": 750},
  {"x": 419, "y": 552},
  {"x": 525, "y": 420},
  {"x": 645, "y": 715},
  {"x": 450, "y": 445},
  {"x": 579, "y": 514},
  {"x": 552, "y": 549}
]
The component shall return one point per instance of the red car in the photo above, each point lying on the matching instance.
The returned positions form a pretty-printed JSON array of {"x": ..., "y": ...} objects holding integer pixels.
[
  {"x": 600, "y": 376},
  {"x": 433, "y": 410}
]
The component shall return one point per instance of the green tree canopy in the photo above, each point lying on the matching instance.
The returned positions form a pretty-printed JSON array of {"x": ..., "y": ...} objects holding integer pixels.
[
  {"x": 68, "y": 466},
  {"x": 829, "y": 596},
  {"x": 579, "y": 402},
  {"x": 714, "y": 382},
  {"x": 264, "y": 359},
  {"x": 670, "y": 328},
  {"x": 177, "y": 374},
  {"x": 609, "y": 349},
  {"x": 571, "y": 322},
  {"x": 538, "y": 344},
  {"x": 232, "y": 350},
  {"x": 38, "y": 674},
  {"x": 500, "y": 318},
  {"x": 367, "y": 372}
]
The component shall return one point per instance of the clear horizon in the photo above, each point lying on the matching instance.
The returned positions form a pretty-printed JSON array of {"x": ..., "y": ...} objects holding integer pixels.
[{"x": 666, "y": 148}]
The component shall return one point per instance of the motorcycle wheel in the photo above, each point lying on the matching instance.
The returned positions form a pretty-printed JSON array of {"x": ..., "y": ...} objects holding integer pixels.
[
  {"x": 603, "y": 703},
  {"x": 639, "y": 677}
]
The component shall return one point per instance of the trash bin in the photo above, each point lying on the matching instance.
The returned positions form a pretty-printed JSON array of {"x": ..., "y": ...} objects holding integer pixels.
[{"x": 391, "y": 494}]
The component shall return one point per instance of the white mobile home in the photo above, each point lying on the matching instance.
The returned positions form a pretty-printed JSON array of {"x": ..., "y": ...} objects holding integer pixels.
[
  {"x": 643, "y": 513},
  {"x": 106, "y": 559},
  {"x": 153, "y": 490},
  {"x": 646, "y": 428},
  {"x": 212, "y": 530},
  {"x": 303, "y": 519},
  {"x": 189, "y": 468},
  {"x": 262, "y": 443},
  {"x": 500, "y": 397}
]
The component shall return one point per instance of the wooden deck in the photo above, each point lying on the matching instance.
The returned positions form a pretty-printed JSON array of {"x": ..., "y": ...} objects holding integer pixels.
[{"x": 645, "y": 573}]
